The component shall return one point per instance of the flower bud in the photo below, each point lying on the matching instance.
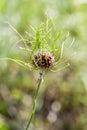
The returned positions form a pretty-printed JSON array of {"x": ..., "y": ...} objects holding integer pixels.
[{"x": 44, "y": 60}]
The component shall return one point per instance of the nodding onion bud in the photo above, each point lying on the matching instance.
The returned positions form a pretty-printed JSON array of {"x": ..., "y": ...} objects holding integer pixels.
[{"x": 44, "y": 60}]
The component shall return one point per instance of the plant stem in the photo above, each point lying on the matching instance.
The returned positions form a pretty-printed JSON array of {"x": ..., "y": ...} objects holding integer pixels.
[{"x": 35, "y": 98}]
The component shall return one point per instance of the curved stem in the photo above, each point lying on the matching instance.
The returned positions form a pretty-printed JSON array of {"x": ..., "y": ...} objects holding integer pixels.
[{"x": 35, "y": 98}]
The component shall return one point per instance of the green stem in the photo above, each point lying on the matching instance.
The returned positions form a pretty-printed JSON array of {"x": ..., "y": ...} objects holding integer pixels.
[{"x": 35, "y": 98}]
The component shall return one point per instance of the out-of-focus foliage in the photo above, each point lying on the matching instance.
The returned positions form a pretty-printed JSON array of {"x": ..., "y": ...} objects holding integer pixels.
[{"x": 62, "y": 101}]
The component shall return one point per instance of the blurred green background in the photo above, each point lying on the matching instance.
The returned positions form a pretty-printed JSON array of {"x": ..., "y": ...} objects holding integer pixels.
[{"x": 62, "y": 101}]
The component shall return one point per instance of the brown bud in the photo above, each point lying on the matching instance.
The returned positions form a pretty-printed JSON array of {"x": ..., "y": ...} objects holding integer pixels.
[{"x": 44, "y": 60}]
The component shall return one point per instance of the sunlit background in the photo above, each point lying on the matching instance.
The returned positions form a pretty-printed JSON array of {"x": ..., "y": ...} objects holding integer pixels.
[{"x": 62, "y": 100}]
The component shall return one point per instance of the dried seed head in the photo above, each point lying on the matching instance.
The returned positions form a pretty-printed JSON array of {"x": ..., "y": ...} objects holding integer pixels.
[{"x": 44, "y": 60}]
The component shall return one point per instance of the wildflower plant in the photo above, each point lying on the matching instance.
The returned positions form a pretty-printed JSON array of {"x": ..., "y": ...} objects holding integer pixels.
[{"x": 44, "y": 51}]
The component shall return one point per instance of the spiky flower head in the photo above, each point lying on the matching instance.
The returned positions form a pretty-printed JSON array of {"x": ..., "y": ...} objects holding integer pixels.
[{"x": 44, "y": 49}]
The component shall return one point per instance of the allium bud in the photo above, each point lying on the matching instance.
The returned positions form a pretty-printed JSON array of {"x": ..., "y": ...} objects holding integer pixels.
[{"x": 44, "y": 60}]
